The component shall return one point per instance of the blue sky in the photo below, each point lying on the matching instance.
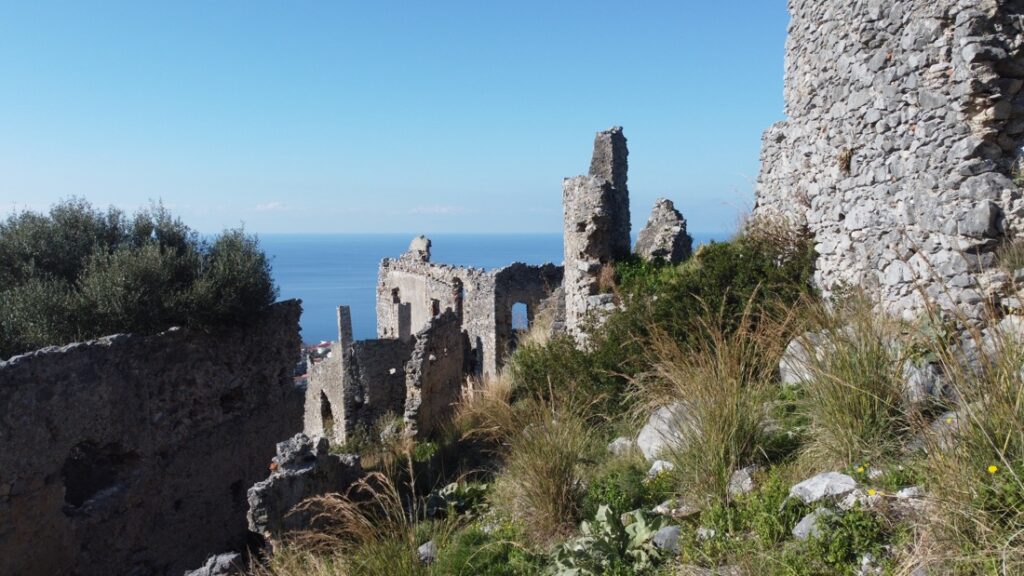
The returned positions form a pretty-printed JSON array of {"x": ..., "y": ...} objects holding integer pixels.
[{"x": 417, "y": 116}]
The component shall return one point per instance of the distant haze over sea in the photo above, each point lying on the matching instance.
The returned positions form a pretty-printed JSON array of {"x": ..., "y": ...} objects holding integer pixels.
[{"x": 328, "y": 270}]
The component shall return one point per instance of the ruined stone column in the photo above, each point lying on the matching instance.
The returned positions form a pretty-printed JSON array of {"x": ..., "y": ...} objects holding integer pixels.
[
  {"x": 610, "y": 163},
  {"x": 344, "y": 328},
  {"x": 596, "y": 229}
]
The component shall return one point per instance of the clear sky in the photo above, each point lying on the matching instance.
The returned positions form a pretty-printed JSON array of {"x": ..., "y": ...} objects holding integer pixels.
[{"x": 377, "y": 116}]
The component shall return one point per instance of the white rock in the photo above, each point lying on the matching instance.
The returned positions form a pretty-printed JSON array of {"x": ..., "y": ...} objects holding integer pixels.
[
  {"x": 858, "y": 496},
  {"x": 742, "y": 481},
  {"x": 667, "y": 539},
  {"x": 911, "y": 492},
  {"x": 826, "y": 484},
  {"x": 427, "y": 552},
  {"x": 808, "y": 525},
  {"x": 664, "y": 429},
  {"x": 795, "y": 367},
  {"x": 705, "y": 533},
  {"x": 659, "y": 467},
  {"x": 621, "y": 446}
]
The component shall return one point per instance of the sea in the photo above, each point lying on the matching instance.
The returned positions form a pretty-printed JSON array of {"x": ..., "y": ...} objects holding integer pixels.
[{"x": 328, "y": 270}]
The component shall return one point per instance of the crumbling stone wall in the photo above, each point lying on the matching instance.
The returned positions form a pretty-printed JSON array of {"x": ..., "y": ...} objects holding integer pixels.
[
  {"x": 596, "y": 228},
  {"x": 373, "y": 383},
  {"x": 132, "y": 454},
  {"x": 434, "y": 374},
  {"x": 411, "y": 291},
  {"x": 361, "y": 382},
  {"x": 303, "y": 468},
  {"x": 906, "y": 121},
  {"x": 523, "y": 284}
]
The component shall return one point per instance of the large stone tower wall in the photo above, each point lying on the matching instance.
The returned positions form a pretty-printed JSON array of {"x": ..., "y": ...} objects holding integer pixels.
[{"x": 906, "y": 121}]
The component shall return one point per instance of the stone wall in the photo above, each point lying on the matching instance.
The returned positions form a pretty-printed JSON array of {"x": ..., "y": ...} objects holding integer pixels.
[
  {"x": 434, "y": 374},
  {"x": 373, "y": 383},
  {"x": 411, "y": 291},
  {"x": 132, "y": 454},
  {"x": 905, "y": 127},
  {"x": 596, "y": 228}
]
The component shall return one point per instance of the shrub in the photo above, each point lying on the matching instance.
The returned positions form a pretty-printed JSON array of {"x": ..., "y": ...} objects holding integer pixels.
[
  {"x": 474, "y": 552},
  {"x": 234, "y": 281},
  {"x": 79, "y": 273},
  {"x": 621, "y": 485}
]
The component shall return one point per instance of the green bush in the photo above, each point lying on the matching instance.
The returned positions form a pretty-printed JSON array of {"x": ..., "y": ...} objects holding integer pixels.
[
  {"x": 78, "y": 273},
  {"x": 721, "y": 279},
  {"x": 622, "y": 486}
]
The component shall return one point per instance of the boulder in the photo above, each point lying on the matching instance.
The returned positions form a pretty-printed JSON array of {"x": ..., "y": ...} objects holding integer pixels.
[
  {"x": 664, "y": 429},
  {"x": 824, "y": 485},
  {"x": 923, "y": 382},
  {"x": 860, "y": 498},
  {"x": 808, "y": 525},
  {"x": 665, "y": 235},
  {"x": 621, "y": 446},
  {"x": 303, "y": 468},
  {"x": 742, "y": 481},
  {"x": 667, "y": 539},
  {"x": 675, "y": 509},
  {"x": 795, "y": 367},
  {"x": 660, "y": 467},
  {"x": 427, "y": 552}
]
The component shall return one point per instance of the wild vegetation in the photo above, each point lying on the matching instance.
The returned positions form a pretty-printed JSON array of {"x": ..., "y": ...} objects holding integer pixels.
[
  {"x": 523, "y": 482},
  {"x": 79, "y": 272}
]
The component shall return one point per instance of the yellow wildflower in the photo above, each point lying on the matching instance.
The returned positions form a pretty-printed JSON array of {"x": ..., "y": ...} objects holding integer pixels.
[
  {"x": 992, "y": 469},
  {"x": 872, "y": 492},
  {"x": 860, "y": 469}
]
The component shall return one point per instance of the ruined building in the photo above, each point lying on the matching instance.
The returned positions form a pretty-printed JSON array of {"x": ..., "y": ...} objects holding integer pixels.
[
  {"x": 438, "y": 324},
  {"x": 901, "y": 152}
]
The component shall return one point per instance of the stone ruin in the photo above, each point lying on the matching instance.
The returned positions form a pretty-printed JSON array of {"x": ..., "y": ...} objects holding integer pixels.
[
  {"x": 902, "y": 149},
  {"x": 132, "y": 454},
  {"x": 144, "y": 454},
  {"x": 439, "y": 324}
]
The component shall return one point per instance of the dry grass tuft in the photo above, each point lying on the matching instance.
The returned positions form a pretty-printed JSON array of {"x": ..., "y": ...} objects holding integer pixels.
[
  {"x": 853, "y": 397},
  {"x": 722, "y": 380},
  {"x": 975, "y": 466},
  {"x": 548, "y": 451}
]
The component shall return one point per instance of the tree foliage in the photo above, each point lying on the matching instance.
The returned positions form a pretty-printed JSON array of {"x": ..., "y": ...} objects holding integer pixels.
[{"x": 79, "y": 272}]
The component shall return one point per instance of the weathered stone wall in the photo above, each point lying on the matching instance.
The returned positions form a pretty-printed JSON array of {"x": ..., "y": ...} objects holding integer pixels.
[
  {"x": 596, "y": 228},
  {"x": 411, "y": 291},
  {"x": 324, "y": 401},
  {"x": 373, "y": 383},
  {"x": 303, "y": 468},
  {"x": 520, "y": 284},
  {"x": 905, "y": 127},
  {"x": 434, "y": 374},
  {"x": 132, "y": 454}
]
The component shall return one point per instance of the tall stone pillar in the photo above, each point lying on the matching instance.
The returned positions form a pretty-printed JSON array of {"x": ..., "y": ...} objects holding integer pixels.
[{"x": 596, "y": 229}]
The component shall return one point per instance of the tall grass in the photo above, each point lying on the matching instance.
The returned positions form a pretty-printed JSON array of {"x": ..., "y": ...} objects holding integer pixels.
[
  {"x": 978, "y": 478},
  {"x": 853, "y": 396},
  {"x": 722, "y": 380},
  {"x": 542, "y": 483}
]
